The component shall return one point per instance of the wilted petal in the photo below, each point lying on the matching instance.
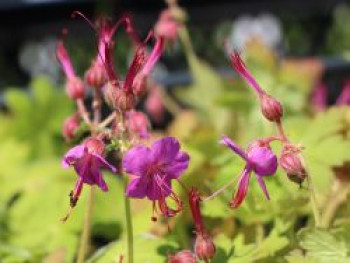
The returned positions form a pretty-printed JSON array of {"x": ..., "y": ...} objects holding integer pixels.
[
  {"x": 178, "y": 166},
  {"x": 262, "y": 186},
  {"x": 242, "y": 188},
  {"x": 137, "y": 188},
  {"x": 137, "y": 160},
  {"x": 165, "y": 150},
  {"x": 73, "y": 155},
  {"x": 229, "y": 143}
]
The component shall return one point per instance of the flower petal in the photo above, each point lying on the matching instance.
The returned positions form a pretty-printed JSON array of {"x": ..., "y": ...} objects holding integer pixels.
[
  {"x": 73, "y": 155},
  {"x": 262, "y": 186},
  {"x": 164, "y": 150},
  {"x": 242, "y": 188},
  {"x": 264, "y": 160},
  {"x": 158, "y": 188},
  {"x": 137, "y": 188},
  {"x": 137, "y": 160},
  {"x": 178, "y": 166},
  {"x": 103, "y": 163},
  {"x": 229, "y": 143}
]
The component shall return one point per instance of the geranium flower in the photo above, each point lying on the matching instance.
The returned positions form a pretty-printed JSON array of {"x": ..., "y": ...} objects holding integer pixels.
[
  {"x": 153, "y": 169},
  {"x": 87, "y": 161},
  {"x": 260, "y": 159}
]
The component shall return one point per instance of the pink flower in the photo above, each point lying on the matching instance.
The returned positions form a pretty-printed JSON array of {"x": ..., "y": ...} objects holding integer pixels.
[
  {"x": 344, "y": 97},
  {"x": 319, "y": 97},
  {"x": 153, "y": 169},
  {"x": 166, "y": 26},
  {"x": 87, "y": 161},
  {"x": 259, "y": 159},
  {"x": 74, "y": 85}
]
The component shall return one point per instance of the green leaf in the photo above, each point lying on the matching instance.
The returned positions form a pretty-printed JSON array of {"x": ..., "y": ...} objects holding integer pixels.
[{"x": 323, "y": 246}]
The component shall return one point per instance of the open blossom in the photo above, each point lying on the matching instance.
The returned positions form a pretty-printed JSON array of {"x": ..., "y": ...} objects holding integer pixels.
[
  {"x": 259, "y": 159},
  {"x": 152, "y": 170},
  {"x": 74, "y": 85},
  {"x": 87, "y": 161}
]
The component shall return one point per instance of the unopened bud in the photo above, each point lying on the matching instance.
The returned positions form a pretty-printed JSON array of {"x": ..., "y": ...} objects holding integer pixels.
[
  {"x": 70, "y": 126},
  {"x": 118, "y": 98},
  {"x": 137, "y": 122},
  {"x": 293, "y": 166},
  {"x": 184, "y": 256},
  {"x": 271, "y": 108},
  {"x": 204, "y": 247},
  {"x": 75, "y": 88},
  {"x": 96, "y": 75},
  {"x": 95, "y": 145},
  {"x": 154, "y": 104}
]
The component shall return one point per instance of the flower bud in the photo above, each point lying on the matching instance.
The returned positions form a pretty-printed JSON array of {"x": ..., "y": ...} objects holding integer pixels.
[
  {"x": 271, "y": 108},
  {"x": 293, "y": 166},
  {"x": 95, "y": 145},
  {"x": 75, "y": 88},
  {"x": 137, "y": 122},
  {"x": 96, "y": 75},
  {"x": 204, "y": 247},
  {"x": 166, "y": 26},
  {"x": 118, "y": 98},
  {"x": 184, "y": 256},
  {"x": 70, "y": 126},
  {"x": 154, "y": 105}
]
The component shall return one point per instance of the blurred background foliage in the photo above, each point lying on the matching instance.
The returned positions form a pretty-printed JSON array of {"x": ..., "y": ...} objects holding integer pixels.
[{"x": 34, "y": 188}]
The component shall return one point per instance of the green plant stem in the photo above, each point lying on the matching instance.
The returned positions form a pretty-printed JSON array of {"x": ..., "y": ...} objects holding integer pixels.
[
  {"x": 338, "y": 197},
  {"x": 85, "y": 237},
  {"x": 128, "y": 221},
  {"x": 314, "y": 205}
]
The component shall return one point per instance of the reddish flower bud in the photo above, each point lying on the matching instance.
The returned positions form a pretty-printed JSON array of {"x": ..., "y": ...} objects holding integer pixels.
[
  {"x": 75, "y": 88},
  {"x": 154, "y": 104},
  {"x": 118, "y": 98},
  {"x": 70, "y": 126},
  {"x": 137, "y": 122},
  {"x": 204, "y": 247},
  {"x": 95, "y": 145},
  {"x": 96, "y": 75},
  {"x": 166, "y": 26},
  {"x": 184, "y": 256},
  {"x": 292, "y": 164},
  {"x": 271, "y": 108}
]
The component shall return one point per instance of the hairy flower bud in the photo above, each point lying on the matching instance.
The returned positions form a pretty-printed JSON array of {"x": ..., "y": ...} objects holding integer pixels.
[
  {"x": 204, "y": 247},
  {"x": 95, "y": 145},
  {"x": 75, "y": 88},
  {"x": 154, "y": 104},
  {"x": 118, "y": 98},
  {"x": 184, "y": 256},
  {"x": 96, "y": 75},
  {"x": 271, "y": 108},
  {"x": 293, "y": 166},
  {"x": 140, "y": 85},
  {"x": 137, "y": 122},
  {"x": 70, "y": 126}
]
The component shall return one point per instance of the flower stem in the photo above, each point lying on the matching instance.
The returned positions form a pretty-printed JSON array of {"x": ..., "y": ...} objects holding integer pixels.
[
  {"x": 315, "y": 208},
  {"x": 128, "y": 220},
  {"x": 85, "y": 237}
]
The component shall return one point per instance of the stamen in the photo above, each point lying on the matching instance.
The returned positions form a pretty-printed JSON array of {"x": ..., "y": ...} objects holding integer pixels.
[{"x": 220, "y": 190}]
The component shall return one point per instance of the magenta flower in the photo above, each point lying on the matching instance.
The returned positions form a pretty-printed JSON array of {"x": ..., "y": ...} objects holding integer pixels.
[
  {"x": 87, "y": 161},
  {"x": 260, "y": 159},
  {"x": 319, "y": 97},
  {"x": 153, "y": 169},
  {"x": 344, "y": 97}
]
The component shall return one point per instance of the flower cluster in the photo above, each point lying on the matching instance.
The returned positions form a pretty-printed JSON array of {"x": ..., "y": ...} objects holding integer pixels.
[{"x": 259, "y": 156}]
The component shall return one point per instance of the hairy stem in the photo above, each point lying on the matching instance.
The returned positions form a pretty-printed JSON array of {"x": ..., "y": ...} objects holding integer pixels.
[
  {"x": 97, "y": 106},
  {"x": 83, "y": 111},
  {"x": 85, "y": 237}
]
